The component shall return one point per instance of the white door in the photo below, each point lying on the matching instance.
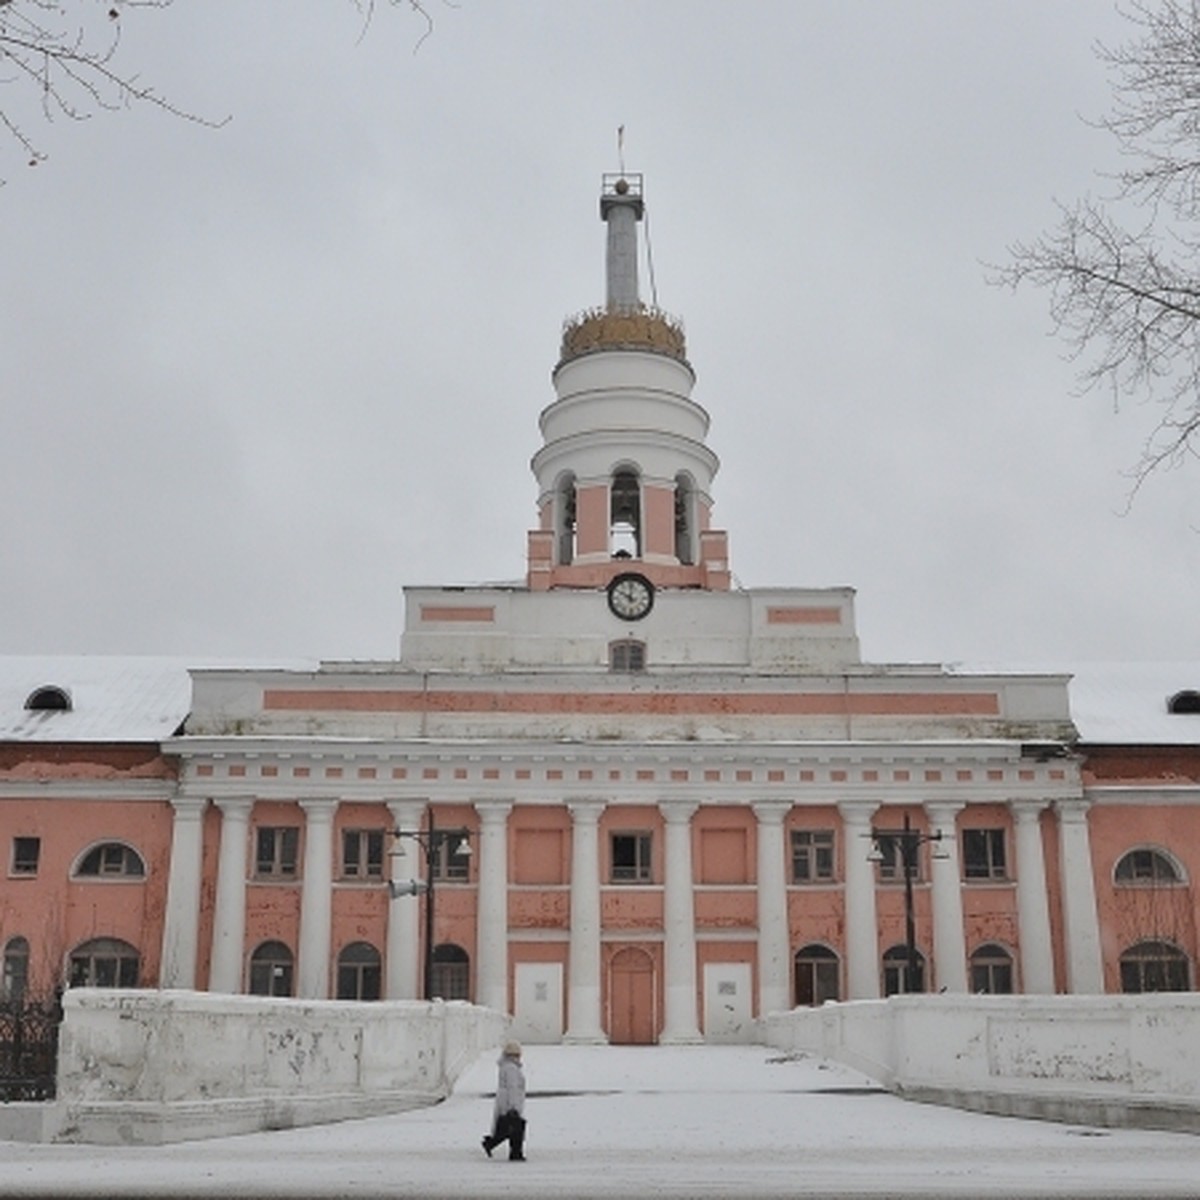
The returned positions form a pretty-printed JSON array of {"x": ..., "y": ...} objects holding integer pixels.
[
  {"x": 539, "y": 1003},
  {"x": 727, "y": 1010}
]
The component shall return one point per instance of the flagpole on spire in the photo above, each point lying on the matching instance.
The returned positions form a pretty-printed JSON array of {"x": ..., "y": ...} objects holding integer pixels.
[{"x": 621, "y": 148}]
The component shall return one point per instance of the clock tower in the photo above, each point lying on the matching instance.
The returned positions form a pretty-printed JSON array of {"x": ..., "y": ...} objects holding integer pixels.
[{"x": 624, "y": 473}]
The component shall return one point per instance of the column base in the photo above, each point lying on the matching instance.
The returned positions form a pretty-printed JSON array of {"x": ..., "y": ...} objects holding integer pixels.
[
  {"x": 691, "y": 1037},
  {"x": 583, "y": 1038}
]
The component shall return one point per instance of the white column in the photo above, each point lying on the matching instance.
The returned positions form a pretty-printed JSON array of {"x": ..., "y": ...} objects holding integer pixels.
[
  {"x": 862, "y": 937},
  {"x": 680, "y": 1024},
  {"x": 316, "y": 900},
  {"x": 229, "y": 917},
  {"x": 949, "y": 939},
  {"x": 181, "y": 924},
  {"x": 1082, "y": 927},
  {"x": 774, "y": 939},
  {"x": 1033, "y": 905},
  {"x": 404, "y": 912},
  {"x": 583, "y": 963},
  {"x": 491, "y": 930}
]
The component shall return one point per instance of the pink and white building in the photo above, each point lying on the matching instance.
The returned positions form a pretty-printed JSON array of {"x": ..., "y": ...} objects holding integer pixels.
[{"x": 661, "y": 805}]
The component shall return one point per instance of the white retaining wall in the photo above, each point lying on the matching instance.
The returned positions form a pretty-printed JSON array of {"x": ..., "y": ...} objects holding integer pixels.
[
  {"x": 164, "y": 1066},
  {"x": 1108, "y": 1060}
]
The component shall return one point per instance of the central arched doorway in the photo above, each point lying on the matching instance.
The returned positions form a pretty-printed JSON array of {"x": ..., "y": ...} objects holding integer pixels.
[{"x": 632, "y": 1011}]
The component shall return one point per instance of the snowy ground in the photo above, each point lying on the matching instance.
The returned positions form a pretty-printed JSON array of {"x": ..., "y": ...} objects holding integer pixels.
[{"x": 663, "y": 1122}]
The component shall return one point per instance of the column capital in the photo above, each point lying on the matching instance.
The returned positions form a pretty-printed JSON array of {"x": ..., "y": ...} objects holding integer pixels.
[
  {"x": 589, "y": 811},
  {"x": 235, "y": 807},
  {"x": 189, "y": 808},
  {"x": 1028, "y": 808},
  {"x": 855, "y": 812},
  {"x": 938, "y": 811},
  {"x": 319, "y": 808},
  {"x": 1073, "y": 811},
  {"x": 771, "y": 812},
  {"x": 677, "y": 814},
  {"x": 493, "y": 811}
]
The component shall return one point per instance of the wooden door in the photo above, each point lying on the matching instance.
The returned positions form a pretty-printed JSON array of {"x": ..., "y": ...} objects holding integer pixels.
[{"x": 631, "y": 1008}]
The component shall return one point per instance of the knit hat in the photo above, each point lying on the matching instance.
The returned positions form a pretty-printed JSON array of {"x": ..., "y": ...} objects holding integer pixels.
[{"x": 512, "y": 1049}]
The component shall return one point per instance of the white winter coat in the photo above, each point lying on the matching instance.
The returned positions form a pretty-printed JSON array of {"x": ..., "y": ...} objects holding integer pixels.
[{"x": 510, "y": 1087}]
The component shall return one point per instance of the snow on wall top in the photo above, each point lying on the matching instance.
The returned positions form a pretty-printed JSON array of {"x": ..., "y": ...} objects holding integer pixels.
[{"x": 1124, "y": 703}]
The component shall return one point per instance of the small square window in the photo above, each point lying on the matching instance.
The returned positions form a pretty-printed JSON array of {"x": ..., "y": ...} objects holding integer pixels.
[
  {"x": 25, "y": 855},
  {"x": 631, "y": 857},
  {"x": 627, "y": 655}
]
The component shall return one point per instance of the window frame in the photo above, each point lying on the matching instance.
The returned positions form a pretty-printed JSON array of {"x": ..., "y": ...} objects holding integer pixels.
[
  {"x": 115, "y": 862},
  {"x": 104, "y": 950},
  {"x": 279, "y": 967},
  {"x": 890, "y": 865},
  {"x": 983, "y": 966},
  {"x": 627, "y": 656},
  {"x": 894, "y": 962},
  {"x": 823, "y": 968},
  {"x": 25, "y": 867},
  {"x": 1154, "y": 855},
  {"x": 449, "y": 863},
  {"x": 641, "y": 869},
  {"x": 282, "y": 863},
  {"x": 1175, "y": 963},
  {"x": 808, "y": 850},
  {"x": 991, "y": 864},
  {"x": 360, "y": 973},
  {"x": 363, "y": 852}
]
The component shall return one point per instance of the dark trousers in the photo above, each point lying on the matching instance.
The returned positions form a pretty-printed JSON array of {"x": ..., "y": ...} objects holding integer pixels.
[{"x": 510, "y": 1128}]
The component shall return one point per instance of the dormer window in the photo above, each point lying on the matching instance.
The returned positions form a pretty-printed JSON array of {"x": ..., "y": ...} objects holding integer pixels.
[
  {"x": 50, "y": 698},
  {"x": 627, "y": 655},
  {"x": 1184, "y": 702}
]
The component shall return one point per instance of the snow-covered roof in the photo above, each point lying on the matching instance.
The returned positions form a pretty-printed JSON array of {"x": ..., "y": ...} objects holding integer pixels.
[
  {"x": 1118, "y": 703},
  {"x": 1126, "y": 703},
  {"x": 145, "y": 699},
  {"x": 110, "y": 699}
]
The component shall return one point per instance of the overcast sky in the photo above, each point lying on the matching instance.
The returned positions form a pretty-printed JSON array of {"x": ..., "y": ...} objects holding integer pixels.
[{"x": 256, "y": 379}]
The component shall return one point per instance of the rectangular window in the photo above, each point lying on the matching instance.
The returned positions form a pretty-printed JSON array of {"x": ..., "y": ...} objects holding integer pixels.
[
  {"x": 26, "y": 852},
  {"x": 890, "y": 844},
  {"x": 362, "y": 853},
  {"x": 812, "y": 855},
  {"x": 451, "y": 855},
  {"x": 983, "y": 854},
  {"x": 277, "y": 850},
  {"x": 630, "y": 857}
]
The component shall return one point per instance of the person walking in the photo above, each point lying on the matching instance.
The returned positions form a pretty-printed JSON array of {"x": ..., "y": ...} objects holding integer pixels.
[{"x": 508, "y": 1113}]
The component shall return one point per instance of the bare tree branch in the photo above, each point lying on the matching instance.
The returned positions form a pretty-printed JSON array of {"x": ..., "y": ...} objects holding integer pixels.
[{"x": 1126, "y": 298}]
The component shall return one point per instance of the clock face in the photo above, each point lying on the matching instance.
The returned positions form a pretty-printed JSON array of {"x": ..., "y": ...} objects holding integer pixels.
[{"x": 631, "y": 596}]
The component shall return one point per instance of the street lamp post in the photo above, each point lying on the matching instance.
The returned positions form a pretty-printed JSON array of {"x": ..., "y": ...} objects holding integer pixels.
[
  {"x": 908, "y": 842},
  {"x": 429, "y": 840}
]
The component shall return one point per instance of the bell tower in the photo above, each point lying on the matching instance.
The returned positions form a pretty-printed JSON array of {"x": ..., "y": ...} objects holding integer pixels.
[{"x": 624, "y": 474}]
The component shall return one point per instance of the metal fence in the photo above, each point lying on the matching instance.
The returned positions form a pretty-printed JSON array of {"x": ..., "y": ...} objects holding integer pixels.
[{"x": 29, "y": 1047}]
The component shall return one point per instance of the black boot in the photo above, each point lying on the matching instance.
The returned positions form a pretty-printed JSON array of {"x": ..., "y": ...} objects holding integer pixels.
[{"x": 516, "y": 1140}]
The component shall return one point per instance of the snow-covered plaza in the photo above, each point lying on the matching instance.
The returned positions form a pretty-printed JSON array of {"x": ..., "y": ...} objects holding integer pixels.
[{"x": 643, "y": 1121}]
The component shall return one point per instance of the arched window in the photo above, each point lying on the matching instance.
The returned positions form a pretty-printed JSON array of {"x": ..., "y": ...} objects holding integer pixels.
[
  {"x": 359, "y": 972},
  {"x": 111, "y": 860},
  {"x": 818, "y": 974},
  {"x": 16, "y": 970},
  {"x": 992, "y": 970},
  {"x": 50, "y": 698},
  {"x": 1147, "y": 865},
  {"x": 895, "y": 972},
  {"x": 628, "y": 654},
  {"x": 564, "y": 519},
  {"x": 685, "y": 519},
  {"x": 625, "y": 520},
  {"x": 271, "y": 970},
  {"x": 451, "y": 973},
  {"x": 104, "y": 962},
  {"x": 1184, "y": 702},
  {"x": 1154, "y": 967}
]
